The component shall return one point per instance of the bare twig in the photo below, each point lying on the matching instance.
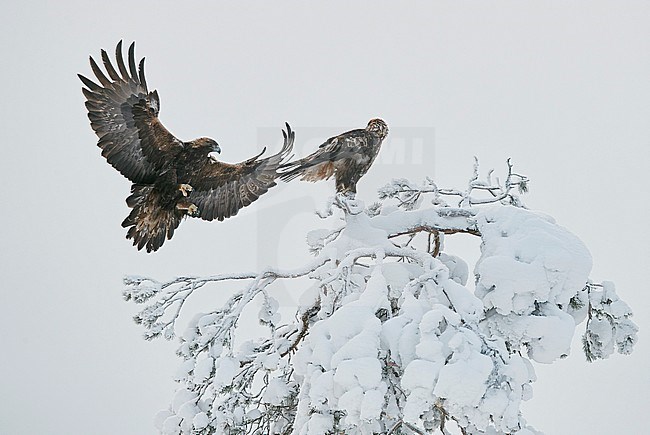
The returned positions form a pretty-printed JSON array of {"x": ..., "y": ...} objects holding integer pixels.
[
  {"x": 434, "y": 230},
  {"x": 305, "y": 326}
]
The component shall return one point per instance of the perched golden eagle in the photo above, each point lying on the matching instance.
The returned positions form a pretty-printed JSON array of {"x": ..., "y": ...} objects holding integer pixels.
[
  {"x": 171, "y": 178},
  {"x": 347, "y": 156}
]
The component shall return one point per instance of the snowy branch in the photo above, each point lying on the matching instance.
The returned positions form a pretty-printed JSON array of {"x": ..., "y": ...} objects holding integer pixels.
[
  {"x": 609, "y": 326},
  {"x": 409, "y": 195},
  {"x": 389, "y": 337}
]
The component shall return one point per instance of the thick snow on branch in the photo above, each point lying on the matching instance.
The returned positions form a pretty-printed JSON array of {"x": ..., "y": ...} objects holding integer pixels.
[
  {"x": 609, "y": 326},
  {"x": 529, "y": 270},
  {"x": 389, "y": 336}
]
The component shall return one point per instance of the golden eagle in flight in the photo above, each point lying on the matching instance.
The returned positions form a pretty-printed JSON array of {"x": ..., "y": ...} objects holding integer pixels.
[
  {"x": 347, "y": 156},
  {"x": 171, "y": 178}
]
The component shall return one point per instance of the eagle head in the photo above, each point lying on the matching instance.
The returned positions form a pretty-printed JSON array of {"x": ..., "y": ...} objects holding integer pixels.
[
  {"x": 378, "y": 127},
  {"x": 207, "y": 144}
]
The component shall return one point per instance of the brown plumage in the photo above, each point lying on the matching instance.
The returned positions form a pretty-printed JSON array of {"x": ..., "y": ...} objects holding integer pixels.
[
  {"x": 171, "y": 179},
  {"x": 347, "y": 157}
]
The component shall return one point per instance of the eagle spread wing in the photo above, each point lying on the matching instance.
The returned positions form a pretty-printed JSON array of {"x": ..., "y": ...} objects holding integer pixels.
[
  {"x": 172, "y": 179},
  {"x": 220, "y": 189},
  {"x": 347, "y": 156},
  {"x": 124, "y": 114}
]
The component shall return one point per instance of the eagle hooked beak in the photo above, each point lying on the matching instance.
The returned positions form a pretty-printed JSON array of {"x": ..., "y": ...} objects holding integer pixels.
[{"x": 216, "y": 149}]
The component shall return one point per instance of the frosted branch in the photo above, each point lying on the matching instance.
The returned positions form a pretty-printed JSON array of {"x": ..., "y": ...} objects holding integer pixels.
[
  {"x": 388, "y": 337},
  {"x": 409, "y": 195},
  {"x": 609, "y": 325}
]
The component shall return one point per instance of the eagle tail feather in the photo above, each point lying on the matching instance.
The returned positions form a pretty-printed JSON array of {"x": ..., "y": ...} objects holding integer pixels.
[
  {"x": 150, "y": 222},
  {"x": 318, "y": 166}
]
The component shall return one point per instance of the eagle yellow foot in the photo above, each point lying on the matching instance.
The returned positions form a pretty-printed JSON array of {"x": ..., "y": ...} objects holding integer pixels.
[
  {"x": 191, "y": 209},
  {"x": 185, "y": 189}
]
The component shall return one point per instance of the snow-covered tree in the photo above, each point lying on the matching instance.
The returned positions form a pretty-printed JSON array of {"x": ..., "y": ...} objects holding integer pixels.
[{"x": 389, "y": 337}]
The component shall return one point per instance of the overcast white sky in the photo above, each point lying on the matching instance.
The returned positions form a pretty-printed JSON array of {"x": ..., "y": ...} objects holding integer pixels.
[{"x": 561, "y": 87}]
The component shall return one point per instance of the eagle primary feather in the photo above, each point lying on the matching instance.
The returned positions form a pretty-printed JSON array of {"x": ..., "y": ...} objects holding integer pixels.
[
  {"x": 347, "y": 156},
  {"x": 171, "y": 178}
]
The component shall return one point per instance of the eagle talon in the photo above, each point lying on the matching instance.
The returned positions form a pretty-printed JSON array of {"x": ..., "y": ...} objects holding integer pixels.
[
  {"x": 193, "y": 210},
  {"x": 185, "y": 189}
]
